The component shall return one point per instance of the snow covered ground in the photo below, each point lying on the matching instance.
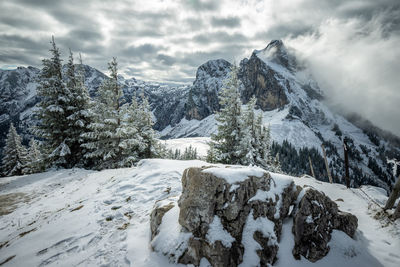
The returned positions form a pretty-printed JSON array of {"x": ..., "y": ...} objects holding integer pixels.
[
  {"x": 200, "y": 143},
  {"x": 89, "y": 218}
]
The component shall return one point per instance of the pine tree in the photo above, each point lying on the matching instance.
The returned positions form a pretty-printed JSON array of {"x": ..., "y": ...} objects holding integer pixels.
[
  {"x": 34, "y": 158},
  {"x": 265, "y": 148},
  {"x": 225, "y": 144},
  {"x": 250, "y": 139},
  {"x": 149, "y": 146},
  {"x": 105, "y": 130},
  {"x": 190, "y": 153},
  {"x": 55, "y": 98},
  {"x": 78, "y": 118},
  {"x": 14, "y": 159},
  {"x": 276, "y": 165},
  {"x": 130, "y": 138}
]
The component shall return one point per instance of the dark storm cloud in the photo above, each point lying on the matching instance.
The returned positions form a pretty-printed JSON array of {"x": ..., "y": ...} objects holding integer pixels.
[
  {"x": 166, "y": 60},
  {"x": 219, "y": 37},
  {"x": 18, "y": 42},
  {"x": 202, "y": 5},
  {"x": 21, "y": 22},
  {"x": 140, "y": 50},
  {"x": 230, "y": 22},
  {"x": 283, "y": 30}
]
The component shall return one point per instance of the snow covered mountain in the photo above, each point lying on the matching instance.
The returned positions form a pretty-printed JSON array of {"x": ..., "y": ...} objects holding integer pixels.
[
  {"x": 287, "y": 95},
  {"x": 292, "y": 104}
]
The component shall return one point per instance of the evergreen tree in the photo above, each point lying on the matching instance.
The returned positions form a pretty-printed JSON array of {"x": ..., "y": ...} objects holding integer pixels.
[
  {"x": 225, "y": 144},
  {"x": 14, "y": 159},
  {"x": 265, "y": 148},
  {"x": 130, "y": 138},
  {"x": 78, "y": 118},
  {"x": 190, "y": 153},
  {"x": 149, "y": 147},
  {"x": 34, "y": 158},
  {"x": 55, "y": 98},
  {"x": 105, "y": 130},
  {"x": 250, "y": 139},
  {"x": 276, "y": 166}
]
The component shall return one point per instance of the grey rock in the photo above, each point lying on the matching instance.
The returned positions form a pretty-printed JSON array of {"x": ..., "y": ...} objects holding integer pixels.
[
  {"x": 205, "y": 196},
  {"x": 157, "y": 214},
  {"x": 316, "y": 217},
  {"x": 203, "y": 96},
  {"x": 345, "y": 222},
  {"x": 263, "y": 82}
]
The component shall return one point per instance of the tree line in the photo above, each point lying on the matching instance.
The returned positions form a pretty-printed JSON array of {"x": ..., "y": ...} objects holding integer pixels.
[{"x": 74, "y": 130}]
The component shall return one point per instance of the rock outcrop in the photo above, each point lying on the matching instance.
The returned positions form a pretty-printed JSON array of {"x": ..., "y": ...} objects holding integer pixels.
[
  {"x": 234, "y": 215},
  {"x": 316, "y": 217},
  {"x": 225, "y": 214},
  {"x": 203, "y": 96},
  {"x": 263, "y": 82}
]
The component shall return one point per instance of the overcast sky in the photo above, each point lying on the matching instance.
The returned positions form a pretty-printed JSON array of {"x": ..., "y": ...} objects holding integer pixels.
[{"x": 352, "y": 46}]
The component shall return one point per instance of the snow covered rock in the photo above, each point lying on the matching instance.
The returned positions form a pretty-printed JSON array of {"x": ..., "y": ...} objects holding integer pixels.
[
  {"x": 234, "y": 215},
  {"x": 161, "y": 207},
  {"x": 202, "y": 99},
  {"x": 263, "y": 82},
  {"x": 317, "y": 215}
]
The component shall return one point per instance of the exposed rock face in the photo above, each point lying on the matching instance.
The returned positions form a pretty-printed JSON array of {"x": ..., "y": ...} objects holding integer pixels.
[
  {"x": 210, "y": 205},
  {"x": 234, "y": 215},
  {"x": 203, "y": 96},
  {"x": 313, "y": 223},
  {"x": 263, "y": 82}
]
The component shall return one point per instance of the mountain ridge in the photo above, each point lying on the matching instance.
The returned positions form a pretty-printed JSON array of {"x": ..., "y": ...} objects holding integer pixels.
[{"x": 287, "y": 96}]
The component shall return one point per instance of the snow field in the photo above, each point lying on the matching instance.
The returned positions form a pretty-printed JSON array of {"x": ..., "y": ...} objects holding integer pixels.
[{"x": 90, "y": 218}]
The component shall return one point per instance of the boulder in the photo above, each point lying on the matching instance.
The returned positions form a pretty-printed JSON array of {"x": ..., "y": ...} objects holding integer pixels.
[
  {"x": 225, "y": 213},
  {"x": 315, "y": 218},
  {"x": 234, "y": 215}
]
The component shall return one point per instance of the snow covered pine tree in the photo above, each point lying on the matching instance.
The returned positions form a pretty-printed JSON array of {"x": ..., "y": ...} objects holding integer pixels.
[
  {"x": 241, "y": 138},
  {"x": 105, "y": 129},
  {"x": 34, "y": 158},
  {"x": 55, "y": 98},
  {"x": 14, "y": 159},
  {"x": 225, "y": 144},
  {"x": 77, "y": 111}
]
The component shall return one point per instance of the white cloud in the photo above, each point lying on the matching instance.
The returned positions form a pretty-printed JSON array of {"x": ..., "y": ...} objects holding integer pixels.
[{"x": 356, "y": 64}]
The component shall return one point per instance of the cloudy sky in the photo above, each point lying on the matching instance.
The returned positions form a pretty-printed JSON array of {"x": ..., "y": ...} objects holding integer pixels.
[{"x": 352, "y": 46}]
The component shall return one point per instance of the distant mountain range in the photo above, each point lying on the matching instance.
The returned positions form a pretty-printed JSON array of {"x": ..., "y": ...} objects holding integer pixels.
[{"x": 287, "y": 95}]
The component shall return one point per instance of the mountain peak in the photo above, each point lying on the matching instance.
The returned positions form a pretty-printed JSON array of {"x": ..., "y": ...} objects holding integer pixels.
[
  {"x": 214, "y": 68},
  {"x": 276, "y": 52},
  {"x": 275, "y": 44}
]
